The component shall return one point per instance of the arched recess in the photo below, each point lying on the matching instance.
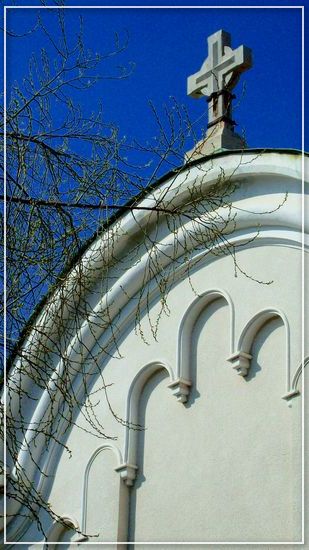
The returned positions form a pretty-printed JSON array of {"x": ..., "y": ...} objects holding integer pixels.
[
  {"x": 64, "y": 530},
  {"x": 128, "y": 469},
  {"x": 181, "y": 390},
  {"x": 187, "y": 325},
  {"x": 241, "y": 359},
  {"x": 260, "y": 164},
  {"x": 117, "y": 502},
  {"x": 295, "y": 386}
]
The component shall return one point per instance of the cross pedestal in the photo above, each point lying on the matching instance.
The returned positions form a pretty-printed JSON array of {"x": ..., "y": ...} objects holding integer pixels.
[{"x": 215, "y": 80}]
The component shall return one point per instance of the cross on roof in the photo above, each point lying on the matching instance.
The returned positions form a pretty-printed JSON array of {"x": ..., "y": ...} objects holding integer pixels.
[{"x": 219, "y": 74}]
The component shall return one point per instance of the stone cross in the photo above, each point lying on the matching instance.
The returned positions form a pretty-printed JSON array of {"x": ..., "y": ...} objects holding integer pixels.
[{"x": 219, "y": 74}]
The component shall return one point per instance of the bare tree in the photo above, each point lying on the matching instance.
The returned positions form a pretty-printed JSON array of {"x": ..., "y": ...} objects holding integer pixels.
[{"x": 69, "y": 181}]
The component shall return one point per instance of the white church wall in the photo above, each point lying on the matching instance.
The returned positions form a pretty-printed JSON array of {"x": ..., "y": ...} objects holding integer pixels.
[
  {"x": 295, "y": 404},
  {"x": 208, "y": 329},
  {"x": 104, "y": 497},
  {"x": 244, "y": 406},
  {"x": 227, "y": 467}
]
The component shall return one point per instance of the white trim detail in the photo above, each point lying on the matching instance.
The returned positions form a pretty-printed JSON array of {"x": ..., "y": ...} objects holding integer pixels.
[
  {"x": 295, "y": 381},
  {"x": 281, "y": 228},
  {"x": 94, "y": 455},
  {"x": 241, "y": 359},
  {"x": 58, "y": 528},
  {"x": 187, "y": 325},
  {"x": 129, "y": 468},
  {"x": 181, "y": 389},
  {"x": 127, "y": 473},
  {"x": 240, "y": 362}
]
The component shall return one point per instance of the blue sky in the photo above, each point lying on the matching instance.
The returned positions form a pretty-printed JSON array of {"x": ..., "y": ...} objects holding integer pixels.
[{"x": 167, "y": 45}]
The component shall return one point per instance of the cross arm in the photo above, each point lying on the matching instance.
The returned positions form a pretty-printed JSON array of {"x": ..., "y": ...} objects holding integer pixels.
[{"x": 193, "y": 88}]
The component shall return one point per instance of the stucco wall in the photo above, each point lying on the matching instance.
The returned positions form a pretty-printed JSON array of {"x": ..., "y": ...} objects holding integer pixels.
[{"x": 225, "y": 466}]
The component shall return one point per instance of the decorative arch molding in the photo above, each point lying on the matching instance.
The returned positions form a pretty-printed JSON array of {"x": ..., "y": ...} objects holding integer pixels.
[
  {"x": 296, "y": 379},
  {"x": 87, "y": 335},
  {"x": 187, "y": 325},
  {"x": 20, "y": 523},
  {"x": 129, "y": 226},
  {"x": 45, "y": 401},
  {"x": 58, "y": 528},
  {"x": 132, "y": 280},
  {"x": 241, "y": 359},
  {"x": 129, "y": 468},
  {"x": 299, "y": 372},
  {"x": 95, "y": 454}
]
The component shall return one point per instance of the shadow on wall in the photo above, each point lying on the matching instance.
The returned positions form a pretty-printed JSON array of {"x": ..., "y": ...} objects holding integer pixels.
[
  {"x": 151, "y": 386},
  {"x": 263, "y": 334},
  {"x": 210, "y": 310},
  {"x": 268, "y": 344}
]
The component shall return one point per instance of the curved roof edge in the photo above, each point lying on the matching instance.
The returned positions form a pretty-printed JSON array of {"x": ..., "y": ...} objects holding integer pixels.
[{"x": 115, "y": 216}]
